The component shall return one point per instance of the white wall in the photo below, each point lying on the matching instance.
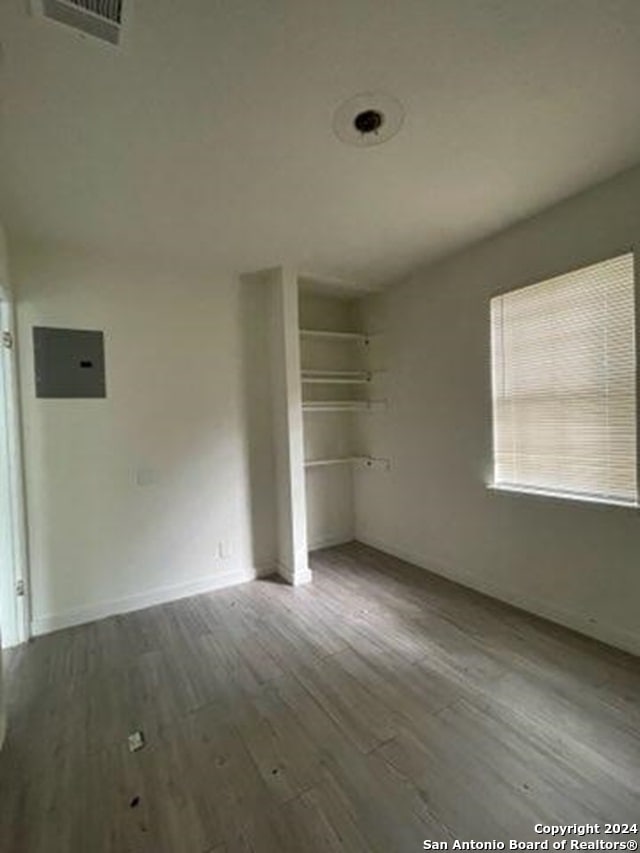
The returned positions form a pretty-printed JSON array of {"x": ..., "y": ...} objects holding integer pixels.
[
  {"x": 576, "y": 563},
  {"x": 100, "y": 540},
  {"x": 256, "y": 307},
  {"x": 292, "y": 558}
]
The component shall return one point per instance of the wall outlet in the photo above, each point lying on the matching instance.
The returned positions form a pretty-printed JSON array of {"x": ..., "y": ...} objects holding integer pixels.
[
  {"x": 224, "y": 550},
  {"x": 147, "y": 477}
]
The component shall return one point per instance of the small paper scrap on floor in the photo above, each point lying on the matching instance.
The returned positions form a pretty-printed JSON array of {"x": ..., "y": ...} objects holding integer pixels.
[{"x": 136, "y": 741}]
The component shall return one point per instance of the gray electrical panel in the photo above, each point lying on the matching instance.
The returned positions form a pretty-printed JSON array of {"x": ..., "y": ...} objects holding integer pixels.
[{"x": 68, "y": 363}]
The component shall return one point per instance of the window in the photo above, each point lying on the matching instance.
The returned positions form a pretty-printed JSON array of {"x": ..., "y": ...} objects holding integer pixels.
[{"x": 564, "y": 385}]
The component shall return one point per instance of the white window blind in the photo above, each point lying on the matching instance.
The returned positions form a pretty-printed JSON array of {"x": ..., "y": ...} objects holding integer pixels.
[{"x": 564, "y": 384}]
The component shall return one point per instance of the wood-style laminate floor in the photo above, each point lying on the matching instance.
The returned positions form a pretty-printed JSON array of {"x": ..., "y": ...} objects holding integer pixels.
[{"x": 373, "y": 709}]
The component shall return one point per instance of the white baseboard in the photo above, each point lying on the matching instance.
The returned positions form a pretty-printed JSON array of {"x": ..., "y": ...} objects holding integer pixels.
[
  {"x": 329, "y": 542},
  {"x": 294, "y": 578},
  {"x": 160, "y": 595},
  {"x": 610, "y": 634}
]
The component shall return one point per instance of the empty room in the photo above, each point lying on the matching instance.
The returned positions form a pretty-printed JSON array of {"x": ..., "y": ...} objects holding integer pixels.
[{"x": 319, "y": 433}]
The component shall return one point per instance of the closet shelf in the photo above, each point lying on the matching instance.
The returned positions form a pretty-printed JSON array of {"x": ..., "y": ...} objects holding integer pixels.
[
  {"x": 327, "y": 334},
  {"x": 344, "y": 405},
  {"x": 361, "y": 461},
  {"x": 336, "y": 377},
  {"x": 321, "y": 463}
]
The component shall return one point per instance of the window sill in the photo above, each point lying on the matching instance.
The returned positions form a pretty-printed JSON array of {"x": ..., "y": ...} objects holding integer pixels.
[{"x": 560, "y": 496}]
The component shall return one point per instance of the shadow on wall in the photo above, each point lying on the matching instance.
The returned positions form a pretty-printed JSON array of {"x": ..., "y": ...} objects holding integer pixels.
[{"x": 255, "y": 318}]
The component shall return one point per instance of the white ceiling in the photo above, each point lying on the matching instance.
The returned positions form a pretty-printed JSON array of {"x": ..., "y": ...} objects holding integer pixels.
[{"x": 206, "y": 139}]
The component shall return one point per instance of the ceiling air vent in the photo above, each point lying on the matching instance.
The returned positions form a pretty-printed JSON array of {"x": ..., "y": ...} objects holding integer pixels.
[{"x": 99, "y": 18}]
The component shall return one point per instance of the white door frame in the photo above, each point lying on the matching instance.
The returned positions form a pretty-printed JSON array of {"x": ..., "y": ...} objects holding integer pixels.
[{"x": 19, "y": 632}]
